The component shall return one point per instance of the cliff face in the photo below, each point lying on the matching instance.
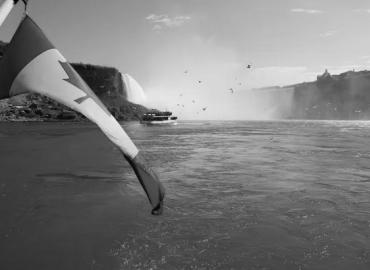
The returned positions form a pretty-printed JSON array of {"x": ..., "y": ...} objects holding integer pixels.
[
  {"x": 345, "y": 96},
  {"x": 106, "y": 82},
  {"x": 331, "y": 97}
]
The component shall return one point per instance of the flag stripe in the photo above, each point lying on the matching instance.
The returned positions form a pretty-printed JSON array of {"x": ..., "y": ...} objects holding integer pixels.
[{"x": 27, "y": 43}]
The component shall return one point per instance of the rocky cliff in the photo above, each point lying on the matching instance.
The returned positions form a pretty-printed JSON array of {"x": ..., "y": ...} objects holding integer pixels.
[
  {"x": 342, "y": 97},
  {"x": 345, "y": 96}
]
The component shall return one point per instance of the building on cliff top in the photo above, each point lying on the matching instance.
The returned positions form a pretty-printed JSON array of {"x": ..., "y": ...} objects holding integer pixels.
[{"x": 326, "y": 75}]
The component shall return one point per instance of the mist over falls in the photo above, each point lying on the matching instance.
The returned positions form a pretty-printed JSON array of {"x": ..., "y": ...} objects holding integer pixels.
[{"x": 265, "y": 104}]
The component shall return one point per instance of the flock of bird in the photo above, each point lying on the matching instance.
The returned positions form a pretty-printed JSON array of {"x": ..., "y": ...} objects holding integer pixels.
[{"x": 231, "y": 90}]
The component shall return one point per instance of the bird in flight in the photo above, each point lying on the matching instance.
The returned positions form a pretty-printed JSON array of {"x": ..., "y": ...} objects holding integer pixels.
[
  {"x": 205, "y": 108},
  {"x": 231, "y": 91},
  {"x": 199, "y": 81},
  {"x": 249, "y": 66}
]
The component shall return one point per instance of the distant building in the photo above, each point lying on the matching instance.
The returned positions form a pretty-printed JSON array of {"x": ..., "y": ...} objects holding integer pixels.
[{"x": 326, "y": 75}]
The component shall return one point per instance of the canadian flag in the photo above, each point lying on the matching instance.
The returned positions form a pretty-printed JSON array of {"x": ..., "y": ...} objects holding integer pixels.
[{"x": 32, "y": 64}]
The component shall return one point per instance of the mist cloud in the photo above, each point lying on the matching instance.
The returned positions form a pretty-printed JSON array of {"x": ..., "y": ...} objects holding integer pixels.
[{"x": 174, "y": 84}]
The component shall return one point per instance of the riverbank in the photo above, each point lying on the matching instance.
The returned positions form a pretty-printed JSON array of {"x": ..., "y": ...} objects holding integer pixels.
[{"x": 35, "y": 107}]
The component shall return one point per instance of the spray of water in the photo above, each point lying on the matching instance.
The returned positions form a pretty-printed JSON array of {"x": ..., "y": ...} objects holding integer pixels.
[{"x": 205, "y": 81}]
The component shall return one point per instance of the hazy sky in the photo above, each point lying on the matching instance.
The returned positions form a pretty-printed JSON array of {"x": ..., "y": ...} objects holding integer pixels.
[{"x": 155, "y": 41}]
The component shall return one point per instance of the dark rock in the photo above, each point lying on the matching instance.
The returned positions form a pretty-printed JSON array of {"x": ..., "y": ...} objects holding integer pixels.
[
  {"x": 33, "y": 106},
  {"x": 39, "y": 112}
]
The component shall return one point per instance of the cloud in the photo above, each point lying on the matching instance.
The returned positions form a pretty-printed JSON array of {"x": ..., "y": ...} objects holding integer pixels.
[
  {"x": 164, "y": 21},
  {"x": 328, "y": 33},
  {"x": 307, "y": 11}
]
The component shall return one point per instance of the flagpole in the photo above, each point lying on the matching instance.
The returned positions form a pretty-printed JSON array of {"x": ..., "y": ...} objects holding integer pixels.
[{"x": 5, "y": 9}]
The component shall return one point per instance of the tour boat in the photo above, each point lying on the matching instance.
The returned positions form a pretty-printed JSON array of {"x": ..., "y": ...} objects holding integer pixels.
[{"x": 158, "y": 118}]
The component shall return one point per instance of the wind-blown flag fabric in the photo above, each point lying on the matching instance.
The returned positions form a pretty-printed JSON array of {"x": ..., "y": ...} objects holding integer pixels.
[{"x": 32, "y": 64}]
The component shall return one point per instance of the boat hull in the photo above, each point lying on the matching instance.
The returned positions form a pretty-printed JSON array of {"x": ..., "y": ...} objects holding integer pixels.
[{"x": 159, "y": 123}]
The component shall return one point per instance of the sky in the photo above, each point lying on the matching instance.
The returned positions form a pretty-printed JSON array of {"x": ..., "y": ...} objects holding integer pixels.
[{"x": 168, "y": 46}]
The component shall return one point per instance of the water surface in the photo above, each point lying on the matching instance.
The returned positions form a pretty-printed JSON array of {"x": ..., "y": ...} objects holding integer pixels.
[{"x": 240, "y": 195}]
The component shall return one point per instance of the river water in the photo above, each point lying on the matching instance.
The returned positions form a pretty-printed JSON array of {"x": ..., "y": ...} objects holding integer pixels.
[{"x": 240, "y": 195}]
